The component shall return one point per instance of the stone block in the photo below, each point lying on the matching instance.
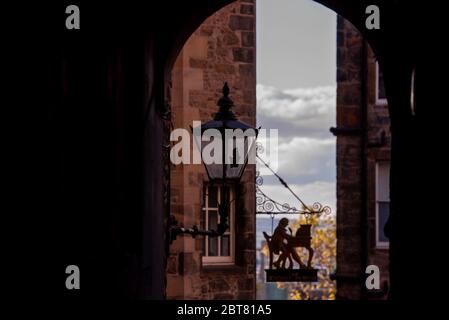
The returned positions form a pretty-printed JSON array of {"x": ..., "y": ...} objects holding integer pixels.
[
  {"x": 245, "y": 284},
  {"x": 237, "y": 22},
  {"x": 225, "y": 68},
  {"x": 248, "y": 39},
  {"x": 246, "y": 70},
  {"x": 243, "y": 55},
  {"x": 230, "y": 39},
  {"x": 219, "y": 285},
  {"x": 247, "y": 9}
]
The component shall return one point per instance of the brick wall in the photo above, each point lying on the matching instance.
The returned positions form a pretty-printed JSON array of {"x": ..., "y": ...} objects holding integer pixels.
[{"x": 221, "y": 49}]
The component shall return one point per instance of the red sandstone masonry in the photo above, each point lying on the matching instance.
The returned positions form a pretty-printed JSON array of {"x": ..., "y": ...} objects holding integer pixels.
[
  {"x": 221, "y": 49},
  {"x": 349, "y": 188}
]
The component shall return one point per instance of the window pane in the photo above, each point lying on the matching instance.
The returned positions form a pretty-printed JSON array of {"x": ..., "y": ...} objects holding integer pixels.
[
  {"x": 212, "y": 197},
  {"x": 383, "y": 181},
  {"x": 213, "y": 246},
  {"x": 217, "y": 249},
  {"x": 225, "y": 245},
  {"x": 213, "y": 219},
  {"x": 384, "y": 212}
]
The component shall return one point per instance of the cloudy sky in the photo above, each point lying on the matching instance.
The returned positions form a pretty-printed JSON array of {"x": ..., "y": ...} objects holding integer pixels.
[{"x": 296, "y": 52}]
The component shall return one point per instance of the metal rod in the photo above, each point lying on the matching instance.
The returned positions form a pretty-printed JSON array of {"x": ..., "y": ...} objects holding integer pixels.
[
  {"x": 175, "y": 230},
  {"x": 194, "y": 231},
  {"x": 283, "y": 183}
]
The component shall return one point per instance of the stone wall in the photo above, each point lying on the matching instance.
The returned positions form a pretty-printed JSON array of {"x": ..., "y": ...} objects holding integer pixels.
[
  {"x": 221, "y": 49},
  {"x": 360, "y": 123},
  {"x": 349, "y": 165},
  {"x": 378, "y": 148}
]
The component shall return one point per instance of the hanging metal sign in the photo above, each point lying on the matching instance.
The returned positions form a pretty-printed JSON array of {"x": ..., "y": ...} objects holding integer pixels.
[
  {"x": 285, "y": 264},
  {"x": 284, "y": 245}
]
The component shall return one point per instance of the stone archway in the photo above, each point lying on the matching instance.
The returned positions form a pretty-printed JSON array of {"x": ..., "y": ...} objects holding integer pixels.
[
  {"x": 390, "y": 45},
  {"x": 94, "y": 167}
]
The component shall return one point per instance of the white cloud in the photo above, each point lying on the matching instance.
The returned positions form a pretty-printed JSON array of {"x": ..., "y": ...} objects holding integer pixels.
[
  {"x": 307, "y": 157},
  {"x": 303, "y": 160},
  {"x": 303, "y": 112},
  {"x": 306, "y": 147}
]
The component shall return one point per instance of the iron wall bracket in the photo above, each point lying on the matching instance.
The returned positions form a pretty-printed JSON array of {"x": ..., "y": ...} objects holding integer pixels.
[{"x": 175, "y": 230}]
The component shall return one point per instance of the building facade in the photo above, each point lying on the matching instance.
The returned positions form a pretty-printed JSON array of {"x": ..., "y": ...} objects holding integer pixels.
[
  {"x": 363, "y": 166},
  {"x": 221, "y": 50},
  {"x": 92, "y": 165}
]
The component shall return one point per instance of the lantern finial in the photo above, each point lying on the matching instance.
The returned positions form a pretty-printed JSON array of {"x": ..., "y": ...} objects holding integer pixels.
[
  {"x": 226, "y": 90},
  {"x": 225, "y": 104}
]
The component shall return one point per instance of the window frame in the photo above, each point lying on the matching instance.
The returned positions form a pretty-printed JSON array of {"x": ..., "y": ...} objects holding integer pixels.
[
  {"x": 380, "y": 244},
  {"x": 379, "y": 101},
  {"x": 219, "y": 260}
]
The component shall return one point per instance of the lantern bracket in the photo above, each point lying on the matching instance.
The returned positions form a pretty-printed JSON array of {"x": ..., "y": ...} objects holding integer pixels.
[{"x": 174, "y": 229}]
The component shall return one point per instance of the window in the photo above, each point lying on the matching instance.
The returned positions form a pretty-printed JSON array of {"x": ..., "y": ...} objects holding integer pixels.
[
  {"x": 218, "y": 250},
  {"x": 381, "y": 97},
  {"x": 382, "y": 202}
]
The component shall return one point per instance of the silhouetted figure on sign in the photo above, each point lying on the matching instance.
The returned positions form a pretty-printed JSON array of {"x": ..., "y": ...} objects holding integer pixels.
[{"x": 280, "y": 243}]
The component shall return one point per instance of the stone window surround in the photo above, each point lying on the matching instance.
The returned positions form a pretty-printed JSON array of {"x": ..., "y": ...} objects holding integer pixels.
[
  {"x": 379, "y": 244},
  {"x": 379, "y": 101}
]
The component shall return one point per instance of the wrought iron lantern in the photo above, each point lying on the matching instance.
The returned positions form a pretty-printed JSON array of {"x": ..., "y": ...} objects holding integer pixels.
[
  {"x": 224, "y": 164},
  {"x": 236, "y": 138}
]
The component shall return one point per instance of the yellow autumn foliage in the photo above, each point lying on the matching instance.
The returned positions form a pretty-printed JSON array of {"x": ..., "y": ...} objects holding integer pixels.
[{"x": 324, "y": 243}]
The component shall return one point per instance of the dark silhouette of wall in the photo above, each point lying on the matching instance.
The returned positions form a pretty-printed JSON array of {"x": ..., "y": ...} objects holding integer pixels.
[{"x": 90, "y": 174}]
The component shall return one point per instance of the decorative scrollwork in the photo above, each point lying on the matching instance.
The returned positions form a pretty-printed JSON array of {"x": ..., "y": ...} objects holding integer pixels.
[
  {"x": 259, "y": 148},
  {"x": 319, "y": 208},
  {"x": 267, "y": 205}
]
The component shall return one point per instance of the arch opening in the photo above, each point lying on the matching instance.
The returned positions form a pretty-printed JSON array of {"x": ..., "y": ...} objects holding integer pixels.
[{"x": 193, "y": 69}]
